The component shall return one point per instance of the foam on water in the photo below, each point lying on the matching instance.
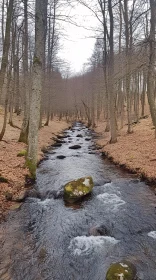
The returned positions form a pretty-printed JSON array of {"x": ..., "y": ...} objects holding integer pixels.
[
  {"x": 152, "y": 234},
  {"x": 113, "y": 201},
  {"x": 85, "y": 245}
]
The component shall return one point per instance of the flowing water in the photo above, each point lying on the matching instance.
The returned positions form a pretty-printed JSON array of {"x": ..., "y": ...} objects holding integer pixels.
[{"x": 49, "y": 240}]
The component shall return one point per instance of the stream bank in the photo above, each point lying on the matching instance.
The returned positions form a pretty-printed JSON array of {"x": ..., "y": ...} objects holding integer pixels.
[
  {"x": 134, "y": 152},
  {"x": 12, "y": 167}
]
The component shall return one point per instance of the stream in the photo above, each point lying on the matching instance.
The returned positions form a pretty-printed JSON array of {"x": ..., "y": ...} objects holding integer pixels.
[{"x": 49, "y": 240}]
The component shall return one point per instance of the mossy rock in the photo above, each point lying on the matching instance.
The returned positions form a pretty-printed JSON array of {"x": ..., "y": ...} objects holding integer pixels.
[
  {"x": 122, "y": 271},
  {"x": 3, "y": 180},
  {"x": 22, "y": 153},
  {"x": 75, "y": 190}
]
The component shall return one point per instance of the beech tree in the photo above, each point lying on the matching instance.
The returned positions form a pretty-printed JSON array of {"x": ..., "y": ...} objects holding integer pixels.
[
  {"x": 37, "y": 74},
  {"x": 6, "y": 44},
  {"x": 151, "y": 68},
  {"x": 5, "y": 57},
  {"x": 24, "y": 130}
]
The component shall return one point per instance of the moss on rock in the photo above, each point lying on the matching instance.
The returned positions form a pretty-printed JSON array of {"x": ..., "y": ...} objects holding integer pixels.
[
  {"x": 122, "y": 271},
  {"x": 75, "y": 190}
]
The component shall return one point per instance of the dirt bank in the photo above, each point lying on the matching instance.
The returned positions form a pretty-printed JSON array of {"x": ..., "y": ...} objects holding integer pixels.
[
  {"x": 12, "y": 167},
  {"x": 135, "y": 152}
]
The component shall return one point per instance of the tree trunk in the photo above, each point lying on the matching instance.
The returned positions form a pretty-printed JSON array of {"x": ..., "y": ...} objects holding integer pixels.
[
  {"x": 6, "y": 45},
  {"x": 127, "y": 35},
  {"x": 17, "y": 92},
  {"x": 143, "y": 93},
  {"x": 25, "y": 125},
  {"x": 151, "y": 67},
  {"x": 36, "y": 87},
  {"x": 112, "y": 105},
  {"x": 6, "y": 104}
]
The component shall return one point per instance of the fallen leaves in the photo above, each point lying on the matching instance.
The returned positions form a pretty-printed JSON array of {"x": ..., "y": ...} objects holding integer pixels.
[
  {"x": 135, "y": 151},
  {"x": 13, "y": 167}
]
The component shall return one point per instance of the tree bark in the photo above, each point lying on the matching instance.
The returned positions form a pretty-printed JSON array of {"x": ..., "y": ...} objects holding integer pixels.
[
  {"x": 6, "y": 104},
  {"x": 151, "y": 67},
  {"x": 6, "y": 45},
  {"x": 25, "y": 125},
  {"x": 112, "y": 105},
  {"x": 36, "y": 87}
]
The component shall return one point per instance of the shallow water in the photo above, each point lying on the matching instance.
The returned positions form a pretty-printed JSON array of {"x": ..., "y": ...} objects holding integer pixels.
[{"x": 48, "y": 240}]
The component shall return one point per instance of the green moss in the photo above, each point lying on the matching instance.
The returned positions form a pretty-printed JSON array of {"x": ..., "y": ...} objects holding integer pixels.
[
  {"x": 76, "y": 189},
  {"x": 3, "y": 180},
  {"x": 123, "y": 270},
  {"x": 22, "y": 153},
  {"x": 32, "y": 168}
]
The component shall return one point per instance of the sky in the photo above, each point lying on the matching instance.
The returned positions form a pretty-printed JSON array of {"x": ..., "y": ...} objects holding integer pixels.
[{"x": 77, "y": 43}]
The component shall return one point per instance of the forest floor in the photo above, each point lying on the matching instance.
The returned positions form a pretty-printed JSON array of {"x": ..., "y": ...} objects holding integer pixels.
[
  {"x": 13, "y": 167},
  {"x": 135, "y": 152}
]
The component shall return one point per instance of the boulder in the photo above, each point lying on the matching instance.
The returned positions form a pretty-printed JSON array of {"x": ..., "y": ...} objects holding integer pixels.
[
  {"x": 122, "y": 270},
  {"x": 57, "y": 145},
  {"x": 61, "y": 136},
  {"x": 77, "y": 189},
  {"x": 75, "y": 147},
  {"x": 79, "y": 135},
  {"x": 58, "y": 141},
  {"x": 61, "y": 157}
]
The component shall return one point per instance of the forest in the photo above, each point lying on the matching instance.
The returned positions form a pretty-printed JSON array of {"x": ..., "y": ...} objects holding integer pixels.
[
  {"x": 115, "y": 85},
  {"x": 77, "y": 148}
]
